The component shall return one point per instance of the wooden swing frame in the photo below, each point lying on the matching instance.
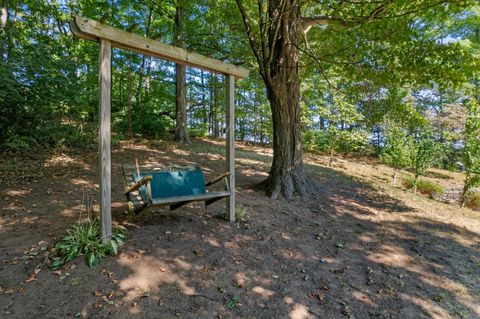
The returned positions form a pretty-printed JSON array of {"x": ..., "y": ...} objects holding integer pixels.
[{"x": 109, "y": 37}]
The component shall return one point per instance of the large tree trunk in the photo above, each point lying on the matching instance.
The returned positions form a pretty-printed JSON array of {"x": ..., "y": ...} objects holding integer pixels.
[
  {"x": 181, "y": 133},
  {"x": 287, "y": 176},
  {"x": 277, "y": 55}
]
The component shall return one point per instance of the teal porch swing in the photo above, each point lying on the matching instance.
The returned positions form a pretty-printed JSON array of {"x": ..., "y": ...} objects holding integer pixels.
[{"x": 173, "y": 186}]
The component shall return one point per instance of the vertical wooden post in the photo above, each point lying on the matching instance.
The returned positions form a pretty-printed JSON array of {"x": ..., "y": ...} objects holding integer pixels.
[
  {"x": 230, "y": 79},
  {"x": 105, "y": 83}
]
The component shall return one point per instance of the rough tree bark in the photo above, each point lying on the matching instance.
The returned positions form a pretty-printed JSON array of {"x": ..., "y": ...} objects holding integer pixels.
[
  {"x": 275, "y": 40},
  {"x": 181, "y": 132},
  {"x": 204, "y": 100},
  {"x": 287, "y": 175},
  {"x": 278, "y": 59},
  {"x": 129, "y": 99}
]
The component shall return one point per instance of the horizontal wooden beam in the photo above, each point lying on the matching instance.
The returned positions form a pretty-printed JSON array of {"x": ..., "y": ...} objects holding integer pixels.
[
  {"x": 93, "y": 30},
  {"x": 189, "y": 198}
]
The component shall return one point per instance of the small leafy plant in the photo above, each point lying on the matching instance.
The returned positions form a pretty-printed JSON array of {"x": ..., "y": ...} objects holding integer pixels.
[
  {"x": 423, "y": 186},
  {"x": 85, "y": 239},
  {"x": 241, "y": 213},
  {"x": 422, "y": 154},
  {"x": 472, "y": 200},
  {"x": 471, "y": 152},
  {"x": 397, "y": 148}
]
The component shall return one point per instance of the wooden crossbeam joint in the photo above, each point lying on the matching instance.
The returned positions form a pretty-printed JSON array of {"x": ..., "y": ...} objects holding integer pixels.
[
  {"x": 138, "y": 185},
  {"x": 217, "y": 179}
]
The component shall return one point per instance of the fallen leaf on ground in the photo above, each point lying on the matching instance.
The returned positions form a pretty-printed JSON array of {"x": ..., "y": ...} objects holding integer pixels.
[
  {"x": 33, "y": 275},
  {"x": 316, "y": 295},
  {"x": 11, "y": 261},
  {"x": 199, "y": 252},
  {"x": 105, "y": 299},
  {"x": 74, "y": 282}
]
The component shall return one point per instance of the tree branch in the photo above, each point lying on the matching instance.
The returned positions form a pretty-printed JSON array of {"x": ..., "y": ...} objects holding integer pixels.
[
  {"x": 308, "y": 22},
  {"x": 252, "y": 40},
  {"x": 262, "y": 29},
  {"x": 274, "y": 39},
  {"x": 378, "y": 13}
]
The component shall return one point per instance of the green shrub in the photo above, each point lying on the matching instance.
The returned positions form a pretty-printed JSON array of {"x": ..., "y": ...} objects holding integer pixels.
[
  {"x": 199, "y": 131},
  {"x": 472, "y": 200},
  {"x": 85, "y": 239},
  {"x": 241, "y": 213},
  {"x": 321, "y": 141},
  {"x": 19, "y": 144},
  {"x": 424, "y": 186},
  {"x": 315, "y": 141}
]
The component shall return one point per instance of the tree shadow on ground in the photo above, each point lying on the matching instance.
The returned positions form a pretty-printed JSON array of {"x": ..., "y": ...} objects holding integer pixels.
[{"x": 345, "y": 251}]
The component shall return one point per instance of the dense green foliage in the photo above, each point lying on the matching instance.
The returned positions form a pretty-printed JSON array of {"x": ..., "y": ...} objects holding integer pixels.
[
  {"x": 397, "y": 147},
  {"x": 422, "y": 154},
  {"x": 366, "y": 87},
  {"x": 472, "y": 147},
  {"x": 472, "y": 200},
  {"x": 423, "y": 186}
]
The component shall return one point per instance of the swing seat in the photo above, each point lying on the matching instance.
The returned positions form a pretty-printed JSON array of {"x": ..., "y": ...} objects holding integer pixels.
[{"x": 174, "y": 187}]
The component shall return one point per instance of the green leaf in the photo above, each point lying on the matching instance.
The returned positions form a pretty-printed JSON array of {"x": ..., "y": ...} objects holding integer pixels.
[
  {"x": 56, "y": 263},
  {"x": 72, "y": 254},
  {"x": 112, "y": 247},
  {"x": 119, "y": 237},
  {"x": 91, "y": 259},
  {"x": 233, "y": 302}
]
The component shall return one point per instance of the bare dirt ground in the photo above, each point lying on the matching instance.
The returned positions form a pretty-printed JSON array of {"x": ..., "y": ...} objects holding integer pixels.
[{"x": 359, "y": 248}]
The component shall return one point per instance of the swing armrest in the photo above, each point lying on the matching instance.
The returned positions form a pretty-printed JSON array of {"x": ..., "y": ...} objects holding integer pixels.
[
  {"x": 137, "y": 185},
  {"x": 217, "y": 179}
]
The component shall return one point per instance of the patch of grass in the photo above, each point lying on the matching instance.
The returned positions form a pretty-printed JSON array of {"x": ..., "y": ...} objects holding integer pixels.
[
  {"x": 472, "y": 200},
  {"x": 241, "y": 213},
  {"x": 85, "y": 239},
  {"x": 424, "y": 186}
]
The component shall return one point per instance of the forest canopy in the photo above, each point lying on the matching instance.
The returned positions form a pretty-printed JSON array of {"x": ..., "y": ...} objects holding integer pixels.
[{"x": 326, "y": 76}]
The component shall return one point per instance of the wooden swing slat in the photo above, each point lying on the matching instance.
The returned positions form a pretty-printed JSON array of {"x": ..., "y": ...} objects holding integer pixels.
[
  {"x": 189, "y": 198},
  {"x": 133, "y": 189}
]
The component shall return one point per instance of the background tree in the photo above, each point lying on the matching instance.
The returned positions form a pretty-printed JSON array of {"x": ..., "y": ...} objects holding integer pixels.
[
  {"x": 471, "y": 151},
  {"x": 397, "y": 148},
  {"x": 361, "y": 64},
  {"x": 422, "y": 154},
  {"x": 181, "y": 132},
  {"x": 276, "y": 35}
]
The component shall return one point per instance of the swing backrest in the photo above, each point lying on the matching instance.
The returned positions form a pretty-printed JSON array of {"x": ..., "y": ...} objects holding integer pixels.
[{"x": 174, "y": 183}]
